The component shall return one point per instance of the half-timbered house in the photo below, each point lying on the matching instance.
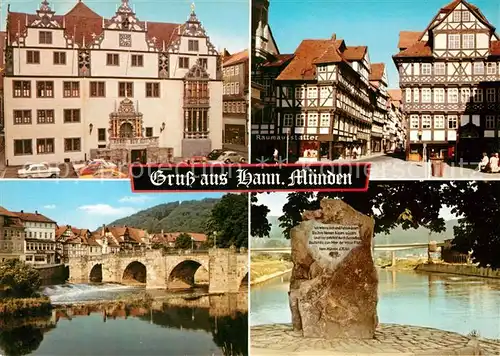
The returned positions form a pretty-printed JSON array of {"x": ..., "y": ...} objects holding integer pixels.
[
  {"x": 323, "y": 106},
  {"x": 263, "y": 117},
  {"x": 79, "y": 86},
  {"x": 235, "y": 113},
  {"x": 379, "y": 96},
  {"x": 449, "y": 75},
  {"x": 396, "y": 123}
]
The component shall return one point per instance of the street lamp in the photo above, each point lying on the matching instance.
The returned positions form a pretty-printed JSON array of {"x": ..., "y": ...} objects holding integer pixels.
[{"x": 215, "y": 239}]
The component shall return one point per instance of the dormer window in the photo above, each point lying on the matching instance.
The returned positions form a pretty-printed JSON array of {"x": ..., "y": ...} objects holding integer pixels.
[
  {"x": 45, "y": 37},
  {"x": 193, "y": 46}
]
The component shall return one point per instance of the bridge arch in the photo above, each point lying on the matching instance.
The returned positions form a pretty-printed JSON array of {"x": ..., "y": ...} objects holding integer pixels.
[
  {"x": 95, "y": 274},
  {"x": 182, "y": 275},
  {"x": 244, "y": 281},
  {"x": 135, "y": 272}
]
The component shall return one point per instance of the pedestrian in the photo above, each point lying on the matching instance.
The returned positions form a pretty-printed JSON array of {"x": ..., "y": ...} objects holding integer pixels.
[
  {"x": 275, "y": 155},
  {"x": 483, "y": 165},
  {"x": 494, "y": 163}
]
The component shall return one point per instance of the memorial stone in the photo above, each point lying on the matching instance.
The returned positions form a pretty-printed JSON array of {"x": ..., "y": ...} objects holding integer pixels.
[{"x": 333, "y": 288}]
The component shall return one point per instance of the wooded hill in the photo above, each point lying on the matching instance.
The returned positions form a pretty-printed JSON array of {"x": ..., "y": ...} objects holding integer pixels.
[{"x": 186, "y": 216}]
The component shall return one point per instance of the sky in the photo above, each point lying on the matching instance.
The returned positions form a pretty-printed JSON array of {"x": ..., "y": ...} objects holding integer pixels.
[
  {"x": 275, "y": 202},
  {"x": 226, "y": 21},
  {"x": 83, "y": 204},
  {"x": 372, "y": 23}
]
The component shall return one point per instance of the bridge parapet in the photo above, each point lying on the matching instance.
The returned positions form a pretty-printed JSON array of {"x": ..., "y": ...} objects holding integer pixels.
[{"x": 226, "y": 267}]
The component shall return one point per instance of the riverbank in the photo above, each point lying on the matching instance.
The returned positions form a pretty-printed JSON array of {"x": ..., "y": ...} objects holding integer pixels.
[
  {"x": 25, "y": 307},
  {"x": 266, "y": 267},
  {"x": 280, "y": 339},
  {"x": 458, "y": 269}
]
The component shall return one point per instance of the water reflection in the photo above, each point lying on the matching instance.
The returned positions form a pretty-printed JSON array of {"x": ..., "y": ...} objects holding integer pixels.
[
  {"x": 448, "y": 302},
  {"x": 205, "y": 326}
]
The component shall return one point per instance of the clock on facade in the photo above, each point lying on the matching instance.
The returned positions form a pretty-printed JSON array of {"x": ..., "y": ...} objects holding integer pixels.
[{"x": 125, "y": 40}]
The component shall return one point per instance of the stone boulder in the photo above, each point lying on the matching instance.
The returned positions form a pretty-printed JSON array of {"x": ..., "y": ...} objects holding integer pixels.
[{"x": 333, "y": 287}]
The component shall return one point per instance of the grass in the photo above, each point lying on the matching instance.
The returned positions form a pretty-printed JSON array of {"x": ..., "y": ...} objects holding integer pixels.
[{"x": 266, "y": 264}]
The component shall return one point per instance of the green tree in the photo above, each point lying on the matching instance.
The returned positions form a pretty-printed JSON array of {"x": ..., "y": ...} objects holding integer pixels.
[
  {"x": 229, "y": 220},
  {"x": 183, "y": 241},
  {"x": 18, "y": 280},
  {"x": 260, "y": 226},
  {"x": 477, "y": 204}
]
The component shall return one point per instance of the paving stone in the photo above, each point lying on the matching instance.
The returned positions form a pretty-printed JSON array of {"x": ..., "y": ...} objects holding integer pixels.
[{"x": 389, "y": 339}]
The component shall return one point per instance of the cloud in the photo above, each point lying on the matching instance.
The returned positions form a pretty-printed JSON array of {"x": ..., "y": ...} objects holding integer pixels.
[
  {"x": 49, "y": 206},
  {"x": 107, "y": 210},
  {"x": 136, "y": 199}
]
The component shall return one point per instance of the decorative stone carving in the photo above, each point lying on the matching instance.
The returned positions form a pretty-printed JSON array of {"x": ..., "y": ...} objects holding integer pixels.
[
  {"x": 45, "y": 17},
  {"x": 84, "y": 63},
  {"x": 197, "y": 72},
  {"x": 163, "y": 65},
  {"x": 125, "y": 19},
  {"x": 9, "y": 61},
  {"x": 333, "y": 289}
]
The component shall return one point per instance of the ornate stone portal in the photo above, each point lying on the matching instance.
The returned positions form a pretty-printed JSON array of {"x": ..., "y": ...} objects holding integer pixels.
[
  {"x": 333, "y": 288},
  {"x": 127, "y": 141}
]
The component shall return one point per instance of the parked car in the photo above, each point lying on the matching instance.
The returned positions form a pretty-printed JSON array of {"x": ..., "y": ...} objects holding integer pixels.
[
  {"x": 214, "y": 154},
  {"x": 39, "y": 170},
  {"x": 105, "y": 173},
  {"x": 94, "y": 166},
  {"x": 229, "y": 157}
]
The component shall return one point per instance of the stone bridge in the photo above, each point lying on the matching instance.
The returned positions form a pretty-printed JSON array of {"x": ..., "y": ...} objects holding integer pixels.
[{"x": 227, "y": 269}]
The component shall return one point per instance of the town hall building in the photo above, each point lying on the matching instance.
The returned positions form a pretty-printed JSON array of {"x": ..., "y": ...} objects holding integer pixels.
[{"x": 80, "y": 86}]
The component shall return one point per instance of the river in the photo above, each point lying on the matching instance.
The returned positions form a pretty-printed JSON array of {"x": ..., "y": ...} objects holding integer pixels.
[
  {"x": 185, "y": 325},
  {"x": 447, "y": 302}
]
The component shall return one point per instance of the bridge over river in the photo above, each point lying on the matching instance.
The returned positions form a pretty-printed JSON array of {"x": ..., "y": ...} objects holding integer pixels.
[{"x": 227, "y": 268}]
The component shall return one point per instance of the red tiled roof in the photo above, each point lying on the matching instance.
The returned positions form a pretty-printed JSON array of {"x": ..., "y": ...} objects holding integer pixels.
[
  {"x": 356, "y": 53},
  {"x": 332, "y": 53},
  {"x": 236, "y": 58},
  {"x": 81, "y": 22},
  {"x": 170, "y": 237},
  {"x": 419, "y": 49},
  {"x": 33, "y": 217},
  {"x": 313, "y": 52},
  {"x": 395, "y": 94},
  {"x": 278, "y": 60},
  {"x": 5, "y": 212},
  {"x": 408, "y": 38},
  {"x": 495, "y": 48},
  {"x": 301, "y": 66},
  {"x": 60, "y": 230},
  {"x": 377, "y": 71}
]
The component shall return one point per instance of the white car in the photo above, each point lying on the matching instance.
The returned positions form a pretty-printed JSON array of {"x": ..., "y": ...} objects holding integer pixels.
[
  {"x": 229, "y": 157},
  {"x": 39, "y": 171}
]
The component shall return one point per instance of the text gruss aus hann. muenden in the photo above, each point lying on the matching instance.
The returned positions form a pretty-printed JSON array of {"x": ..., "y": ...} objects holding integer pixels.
[{"x": 248, "y": 179}]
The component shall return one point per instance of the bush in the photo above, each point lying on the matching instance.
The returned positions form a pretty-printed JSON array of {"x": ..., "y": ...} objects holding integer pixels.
[{"x": 18, "y": 280}]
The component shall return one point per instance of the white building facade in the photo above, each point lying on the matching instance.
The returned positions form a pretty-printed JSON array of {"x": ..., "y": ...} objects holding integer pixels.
[
  {"x": 79, "y": 86},
  {"x": 40, "y": 238}
]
